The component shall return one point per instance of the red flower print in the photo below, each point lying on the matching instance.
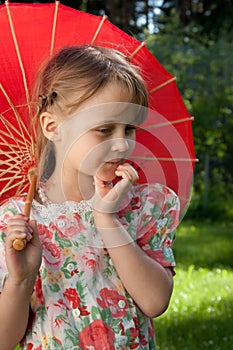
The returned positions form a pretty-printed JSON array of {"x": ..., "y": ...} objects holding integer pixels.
[
  {"x": 135, "y": 319},
  {"x": 83, "y": 311},
  {"x": 174, "y": 217},
  {"x": 38, "y": 290},
  {"x": 72, "y": 296},
  {"x": 90, "y": 259},
  {"x": 145, "y": 233},
  {"x": 134, "y": 204},
  {"x": 117, "y": 303},
  {"x": 68, "y": 226},
  {"x": 133, "y": 337},
  {"x": 97, "y": 335},
  {"x": 58, "y": 321},
  {"x": 122, "y": 328},
  {"x": 151, "y": 329},
  {"x": 158, "y": 256},
  {"x": 52, "y": 255},
  {"x": 3, "y": 222},
  {"x": 143, "y": 340},
  {"x": 133, "y": 333},
  {"x": 168, "y": 243},
  {"x": 51, "y": 251},
  {"x": 44, "y": 232}
]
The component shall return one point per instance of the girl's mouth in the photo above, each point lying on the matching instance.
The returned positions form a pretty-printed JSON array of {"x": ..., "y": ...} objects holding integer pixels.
[{"x": 115, "y": 162}]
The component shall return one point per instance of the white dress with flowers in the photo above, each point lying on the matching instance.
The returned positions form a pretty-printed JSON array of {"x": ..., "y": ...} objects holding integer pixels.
[{"x": 78, "y": 301}]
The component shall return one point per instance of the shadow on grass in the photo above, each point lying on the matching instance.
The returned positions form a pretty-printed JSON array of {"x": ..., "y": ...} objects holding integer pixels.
[
  {"x": 204, "y": 244},
  {"x": 191, "y": 332}
]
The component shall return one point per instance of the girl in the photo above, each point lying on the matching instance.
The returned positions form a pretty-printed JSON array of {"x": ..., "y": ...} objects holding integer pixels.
[{"x": 98, "y": 265}]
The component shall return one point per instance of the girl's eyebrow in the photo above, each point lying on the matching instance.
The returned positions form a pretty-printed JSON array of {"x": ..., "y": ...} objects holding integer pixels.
[{"x": 110, "y": 124}]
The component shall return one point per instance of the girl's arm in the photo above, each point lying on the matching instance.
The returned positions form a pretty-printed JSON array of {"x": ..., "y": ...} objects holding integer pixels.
[
  {"x": 22, "y": 268},
  {"x": 148, "y": 283},
  {"x": 14, "y": 311}
]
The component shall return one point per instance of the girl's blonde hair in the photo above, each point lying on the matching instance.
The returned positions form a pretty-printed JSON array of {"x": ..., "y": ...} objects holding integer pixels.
[{"x": 75, "y": 74}]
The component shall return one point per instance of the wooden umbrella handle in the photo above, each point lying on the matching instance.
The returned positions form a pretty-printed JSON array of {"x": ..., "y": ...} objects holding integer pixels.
[{"x": 19, "y": 243}]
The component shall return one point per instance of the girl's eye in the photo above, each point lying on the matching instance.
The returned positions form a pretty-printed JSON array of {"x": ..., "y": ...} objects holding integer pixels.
[
  {"x": 105, "y": 131},
  {"x": 129, "y": 129}
]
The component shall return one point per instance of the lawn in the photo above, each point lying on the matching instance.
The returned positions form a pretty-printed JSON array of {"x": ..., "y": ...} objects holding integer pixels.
[{"x": 200, "y": 315}]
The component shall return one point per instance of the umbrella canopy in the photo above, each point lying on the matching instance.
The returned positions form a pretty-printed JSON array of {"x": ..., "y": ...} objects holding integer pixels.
[{"x": 32, "y": 32}]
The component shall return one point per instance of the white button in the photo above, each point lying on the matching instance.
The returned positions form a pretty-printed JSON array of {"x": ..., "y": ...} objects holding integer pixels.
[
  {"x": 70, "y": 267},
  {"x": 110, "y": 262},
  {"x": 76, "y": 312},
  {"x": 61, "y": 223},
  {"x": 121, "y": 304}
]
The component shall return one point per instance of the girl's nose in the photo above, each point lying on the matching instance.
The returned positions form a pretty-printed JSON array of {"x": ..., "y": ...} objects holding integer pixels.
[{"x": 120, "y": 145}]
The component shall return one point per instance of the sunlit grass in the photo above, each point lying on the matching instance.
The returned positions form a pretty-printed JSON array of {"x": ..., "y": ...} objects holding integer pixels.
[{"x": 200, "y": 315}]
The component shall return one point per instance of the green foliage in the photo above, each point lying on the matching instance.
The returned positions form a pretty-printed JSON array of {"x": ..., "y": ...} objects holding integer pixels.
[
  {"x": 211, "y": 15},
  {"x": 205, "y": 79},
  {"x": 200, "y": 314}
]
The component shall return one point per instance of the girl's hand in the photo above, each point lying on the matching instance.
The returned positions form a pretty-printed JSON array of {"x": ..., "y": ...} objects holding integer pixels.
[
  {"x": 108, "y": 198},
  {"x": 22, "y": 265}
]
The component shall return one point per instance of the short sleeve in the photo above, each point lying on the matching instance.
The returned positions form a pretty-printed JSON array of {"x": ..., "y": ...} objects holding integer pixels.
[
  {"x": 8, "y": 209},
  {"x": 157, "y": 223}
]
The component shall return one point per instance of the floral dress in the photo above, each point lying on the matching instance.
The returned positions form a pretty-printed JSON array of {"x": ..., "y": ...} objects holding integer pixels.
[{"x": 79, "y": 301}]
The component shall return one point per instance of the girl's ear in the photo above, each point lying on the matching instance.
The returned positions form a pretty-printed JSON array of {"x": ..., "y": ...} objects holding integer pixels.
[{"x": 49, "y": 123}]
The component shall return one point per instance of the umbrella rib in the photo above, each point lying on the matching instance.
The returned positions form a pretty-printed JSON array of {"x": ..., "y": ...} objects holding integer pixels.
[
  {"x": 3, "y": 142},
  {"x": 9, "y": 185},
  {"x": 169, "y": 81},
  {"x": 19, "y": 143},
  {"x": 18, "y": 118},
  {"x": 10, "y": 178},
  {"x": 18, "y": 54},
  {"x": 57, "y": 3},
  {"x": 22, "y": 189},
  {"x": 8, "y": 188},
  {"x": 14, "y": 167},
  {"x": 13, "y": 161},
  {"x": 99, "y": 28},
  {"x": 143, "y": 43},
  {"x": 177, "y": 121}
]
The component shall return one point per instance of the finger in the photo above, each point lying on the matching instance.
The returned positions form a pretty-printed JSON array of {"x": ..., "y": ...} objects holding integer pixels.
[
  {"x": 20, "y": 242},
  {"x": 101, "y": 187},
  {"x": 18, "y": 232},
  {"x": 130, "y": 168},
  {"x": 17, "y": 217},
  {"x": 127, "y": 173},
  {"x": 19, "y": 227},
  {"x": 35, "y": 235}
]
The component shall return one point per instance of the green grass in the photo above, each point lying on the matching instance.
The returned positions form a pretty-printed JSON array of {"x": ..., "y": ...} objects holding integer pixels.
[{"x": 200, "y": 315}]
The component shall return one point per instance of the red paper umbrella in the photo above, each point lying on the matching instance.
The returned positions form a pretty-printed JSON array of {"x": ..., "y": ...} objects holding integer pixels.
[{"x": 32, "y": 32}]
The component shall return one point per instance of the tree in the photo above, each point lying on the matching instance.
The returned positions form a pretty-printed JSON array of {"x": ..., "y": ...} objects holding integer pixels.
[
  {"x": 205, "y": 78},
  {"x": 212, "y": 16}
]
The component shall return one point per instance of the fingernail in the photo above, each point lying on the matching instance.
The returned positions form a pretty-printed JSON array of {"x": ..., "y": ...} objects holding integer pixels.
[
  {"x": 30, "y": 229},
  {"x": 29, "y": 237}
]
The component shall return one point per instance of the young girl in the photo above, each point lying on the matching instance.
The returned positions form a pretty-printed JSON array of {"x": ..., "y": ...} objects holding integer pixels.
[{"x": 98, "y": 264}]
